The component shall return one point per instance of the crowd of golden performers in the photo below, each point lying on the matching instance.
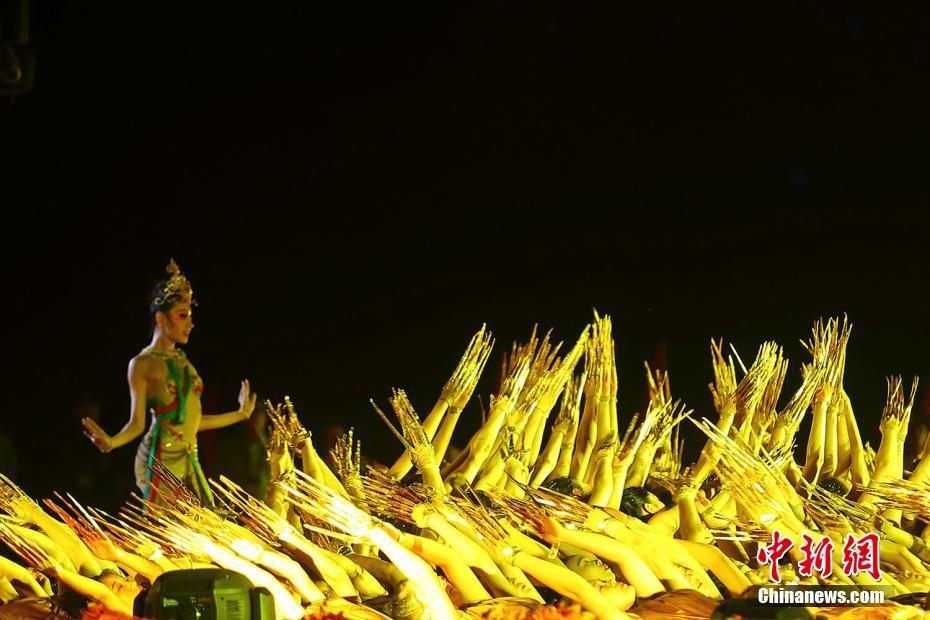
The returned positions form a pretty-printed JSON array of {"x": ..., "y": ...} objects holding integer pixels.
[{"x": 554, "y": 508}]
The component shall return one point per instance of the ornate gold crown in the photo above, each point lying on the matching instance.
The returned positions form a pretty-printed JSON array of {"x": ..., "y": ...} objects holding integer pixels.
[{"x": 177, "y": 285}]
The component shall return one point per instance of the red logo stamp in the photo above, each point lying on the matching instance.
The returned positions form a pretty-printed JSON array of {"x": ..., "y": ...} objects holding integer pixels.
[
  {"x": 771, "y": 554},
  {"x": 860, "y": 555}
]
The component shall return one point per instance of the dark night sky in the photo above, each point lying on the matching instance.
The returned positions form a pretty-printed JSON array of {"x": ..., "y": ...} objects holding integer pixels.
[{"x": 354, "y": 190}]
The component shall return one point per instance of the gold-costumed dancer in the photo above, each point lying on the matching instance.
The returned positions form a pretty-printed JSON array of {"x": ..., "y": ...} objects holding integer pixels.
[{"x": 163, "y": 382}]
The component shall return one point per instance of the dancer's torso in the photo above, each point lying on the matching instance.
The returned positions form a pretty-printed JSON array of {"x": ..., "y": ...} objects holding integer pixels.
[{"x": 172, "y": 393}]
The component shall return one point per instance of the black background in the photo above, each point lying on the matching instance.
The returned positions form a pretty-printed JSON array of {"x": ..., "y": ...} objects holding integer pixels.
[{"x": 353, "y": 190}]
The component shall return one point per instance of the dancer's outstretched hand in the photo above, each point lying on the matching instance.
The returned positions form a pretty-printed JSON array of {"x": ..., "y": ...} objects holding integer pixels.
[
  {"x": 97, "y": 435},
  {"x": 246, "y": 400}
]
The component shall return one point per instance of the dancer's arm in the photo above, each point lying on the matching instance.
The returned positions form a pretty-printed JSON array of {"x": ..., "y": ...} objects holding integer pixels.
[
  {"x": 634, "y": 569},
  {"x": 106, "y": 550},
  {"x": 569, "y": 584},
  {"x": 153, "y": 552},
  {"x": 454, "y": 396},
  {"x": 281, "y": 565},
  {"x": 483, "y": 442},
  {"x": 565, "y": 423},
  {"x": 222, "y": 420},
  {"x": 14, "y": 572},
  {"x": 224, "y": 557},
  {"x": 7, "y": 591},
  {"x": 456, "y": 570},
  {"x": 53, "y": 549},
  {"x": 885, "y": 459},
  {"x": 814, "y": 462},
  {"x": 92, "y": 590},
  {"x": 691, "y": 526},
  {"x": 831, "y": 440},
  {"x": 710, "y": 455},
  {"x": 368, "y": 587},
  {"x": 567, "y": 449},
  {"x": 138, "y": 369},
  {"x": 331, "y": 572},
  {"x": 80, "y": 556},
  {"x": 603, "y": 474}
]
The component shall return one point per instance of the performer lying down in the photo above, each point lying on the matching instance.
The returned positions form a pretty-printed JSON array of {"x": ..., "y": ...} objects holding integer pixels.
[
  {"x": 164, "y": 382},
  {"x": 517, "y": 526}
]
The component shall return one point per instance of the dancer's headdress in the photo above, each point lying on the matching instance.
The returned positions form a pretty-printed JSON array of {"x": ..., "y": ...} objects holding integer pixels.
[{"x": 177, "y": 286}]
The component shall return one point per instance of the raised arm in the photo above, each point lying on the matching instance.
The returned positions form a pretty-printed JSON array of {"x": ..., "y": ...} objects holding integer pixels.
[
  {"x": 91, "y": 589},
  {"x": 222, "y": 420},
  {"x": 138, "y": 369}
]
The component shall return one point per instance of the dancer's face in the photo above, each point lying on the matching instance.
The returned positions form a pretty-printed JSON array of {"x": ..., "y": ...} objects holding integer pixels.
[
  {"x": 126, "y": 589},
  {"x": 652, "y": 505},
  {"x": 591, "y": 569},
  {"x": 176, "y": 324}
]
